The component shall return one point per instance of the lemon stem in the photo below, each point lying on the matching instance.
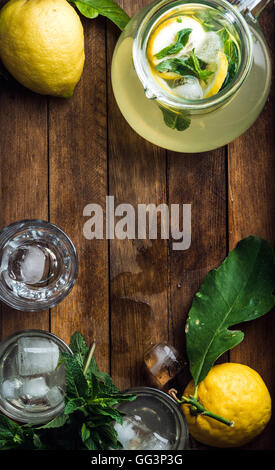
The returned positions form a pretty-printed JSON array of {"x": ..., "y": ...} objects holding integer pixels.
[{"x": 198, "y": 409}]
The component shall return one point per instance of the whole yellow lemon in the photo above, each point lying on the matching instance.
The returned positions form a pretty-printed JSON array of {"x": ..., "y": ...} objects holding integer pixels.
[
  {"x": 235, "y": 392},
  {"x": 42, "y": 45}
]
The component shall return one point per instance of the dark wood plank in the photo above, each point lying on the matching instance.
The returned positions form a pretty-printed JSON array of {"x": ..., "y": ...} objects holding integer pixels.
[
  {"x": 137, "y": 174},
  {"x": 24, "y": 178},
  {"x": 78, "y": 176},
  {"x": 199, "y": 180},
  {"x": 251, "y": 212}
]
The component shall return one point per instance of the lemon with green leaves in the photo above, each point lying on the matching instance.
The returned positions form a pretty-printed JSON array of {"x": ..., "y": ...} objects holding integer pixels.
[
  {"x": 42, "y": 45},
  {"x": 230, "y": 393}
]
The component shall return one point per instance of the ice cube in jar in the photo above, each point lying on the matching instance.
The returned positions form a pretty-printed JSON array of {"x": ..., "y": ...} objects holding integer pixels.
[
  {"x": 35, "y": 388},
  {"x": 189, "y": 88},
  {"x": 133, "y": 434},
  {"x": 11, "y": 388},
  {"x": 36, "y": 356}
]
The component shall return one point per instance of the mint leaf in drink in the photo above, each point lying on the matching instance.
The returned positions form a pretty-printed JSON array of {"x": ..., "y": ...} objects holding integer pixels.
[
  {"x": 108, "y": 8},
  {"x": 190, "y": 66},
  {"x": 176, "y": 120},
  {"x": 240, "y": 290},
  {"x": 181, "y": 41}
]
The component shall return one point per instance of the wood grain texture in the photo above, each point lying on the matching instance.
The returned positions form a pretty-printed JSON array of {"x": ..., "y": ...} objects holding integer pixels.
[
  {"x": 24, "y": 178},
  {"x": 78, "y": 176},
  {"x": 251, "y": 212},
  {"x": 138, "y": 268},
  {"x": 199, "y": 180}
]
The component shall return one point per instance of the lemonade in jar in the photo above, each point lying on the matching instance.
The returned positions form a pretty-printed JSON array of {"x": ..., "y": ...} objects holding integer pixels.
[{"x": 191, "y": 77}]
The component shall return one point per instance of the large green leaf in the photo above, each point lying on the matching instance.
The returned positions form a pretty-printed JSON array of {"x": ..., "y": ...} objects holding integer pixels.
[{"x": 241, "y": 289}]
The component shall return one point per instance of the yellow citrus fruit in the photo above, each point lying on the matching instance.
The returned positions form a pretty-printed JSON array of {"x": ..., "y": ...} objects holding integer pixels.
[
  {"x": 235, "y": 392},
  {"x": 42, "y": 45},
  {"x": 165, "y": 34},
  {"x": 215, "y": 81}
]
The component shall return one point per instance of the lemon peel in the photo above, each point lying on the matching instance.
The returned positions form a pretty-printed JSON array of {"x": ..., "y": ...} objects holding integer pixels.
[{"x": 215, "y": 82}]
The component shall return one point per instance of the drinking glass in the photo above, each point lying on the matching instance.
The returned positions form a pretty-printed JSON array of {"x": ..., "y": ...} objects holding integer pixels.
[{"x": 38, "y": 265}]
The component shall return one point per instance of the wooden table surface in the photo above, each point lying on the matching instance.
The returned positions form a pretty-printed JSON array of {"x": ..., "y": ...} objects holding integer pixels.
[{"x": 59, "y": 155}]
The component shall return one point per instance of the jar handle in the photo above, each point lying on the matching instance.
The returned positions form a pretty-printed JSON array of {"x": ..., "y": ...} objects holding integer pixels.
[{"x": 252, "y": 7}]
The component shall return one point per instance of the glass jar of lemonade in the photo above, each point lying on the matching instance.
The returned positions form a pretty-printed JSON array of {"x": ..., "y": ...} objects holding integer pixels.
[{"x": 191, "y": 77}]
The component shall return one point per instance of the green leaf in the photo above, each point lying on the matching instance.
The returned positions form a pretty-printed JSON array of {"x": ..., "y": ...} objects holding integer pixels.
[
  {"x": 181, "y": 41},
  {"x": 240, "y": 290},
  {"x": 57, "y": 422},
  {"x": 184, "y": 67},
  {"x": 176, "y": 120},
  {"x": 74, "y": 404},
  {"x": 86, "y": 10},
  {"x": 76, "y": 383},
  {"x": 107, "y": 8},
  {"x": 79, "y": 348},
  {"x": 90, "y": 444},
  {"x": 85, "y": 433}
]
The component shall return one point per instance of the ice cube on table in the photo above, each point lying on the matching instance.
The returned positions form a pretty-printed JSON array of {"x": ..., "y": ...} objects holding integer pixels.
[
  {"x": 11, "y": 388},
  {"x": 35, "y": 388},
  {"x": 54, "y": 396},
  {"x": 36, "y": 356}
]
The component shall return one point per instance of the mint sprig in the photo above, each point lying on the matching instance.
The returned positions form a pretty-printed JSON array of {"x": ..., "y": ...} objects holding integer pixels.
[
  {"x": 181, "y": 41},
  {"x": 190, "y": 66},
  {"x": 87, "y": 421}
]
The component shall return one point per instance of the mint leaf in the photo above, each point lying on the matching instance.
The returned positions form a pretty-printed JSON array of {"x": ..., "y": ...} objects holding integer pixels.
[
  {"x": 57, "y": 422},
  {"x": 74, "y": 404},
  {"x": 85, "y": 433},
  {"x": 76, "y": 383},
  {"x": 181, "y": 41},
  {"x": 79, "y": 348},
  {"x": 190, "y": 66},
  {"x": 176, "y": 120},
  {"x": 240, "y": 290},
  {"x": 107, "y": 8}
]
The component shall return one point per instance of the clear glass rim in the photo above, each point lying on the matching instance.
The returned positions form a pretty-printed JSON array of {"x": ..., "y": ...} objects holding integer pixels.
[
  {"x": 29, "y": 305},
  {"x": 14, "y": 413},
  {"x": 142, "y": 67}
]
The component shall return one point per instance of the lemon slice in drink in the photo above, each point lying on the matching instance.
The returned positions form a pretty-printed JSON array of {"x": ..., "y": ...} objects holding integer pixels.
[
  {"x": 165, "y": 35},
  {"x": 215, "y": 81}
]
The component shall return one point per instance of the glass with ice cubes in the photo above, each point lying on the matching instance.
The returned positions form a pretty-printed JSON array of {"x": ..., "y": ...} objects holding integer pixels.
[
  {"x": 38, "y": 265},
  {"x": 32, "y": 376},
  {"x": 153, "y": 421}
]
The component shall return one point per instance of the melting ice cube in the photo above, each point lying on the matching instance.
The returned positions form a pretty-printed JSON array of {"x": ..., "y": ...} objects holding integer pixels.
[
  {"x": 54, "y": 396},
  {"x": 35, "y": 388},
  {"x": 11, "y": 388},
  {"x": 36, "y": 356},
  {"x": 134, "y": 435},
  {"x": 210, "y": 47},
  {"x": 190, "y": 89},
  {"x": 155, "y": 442}
]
